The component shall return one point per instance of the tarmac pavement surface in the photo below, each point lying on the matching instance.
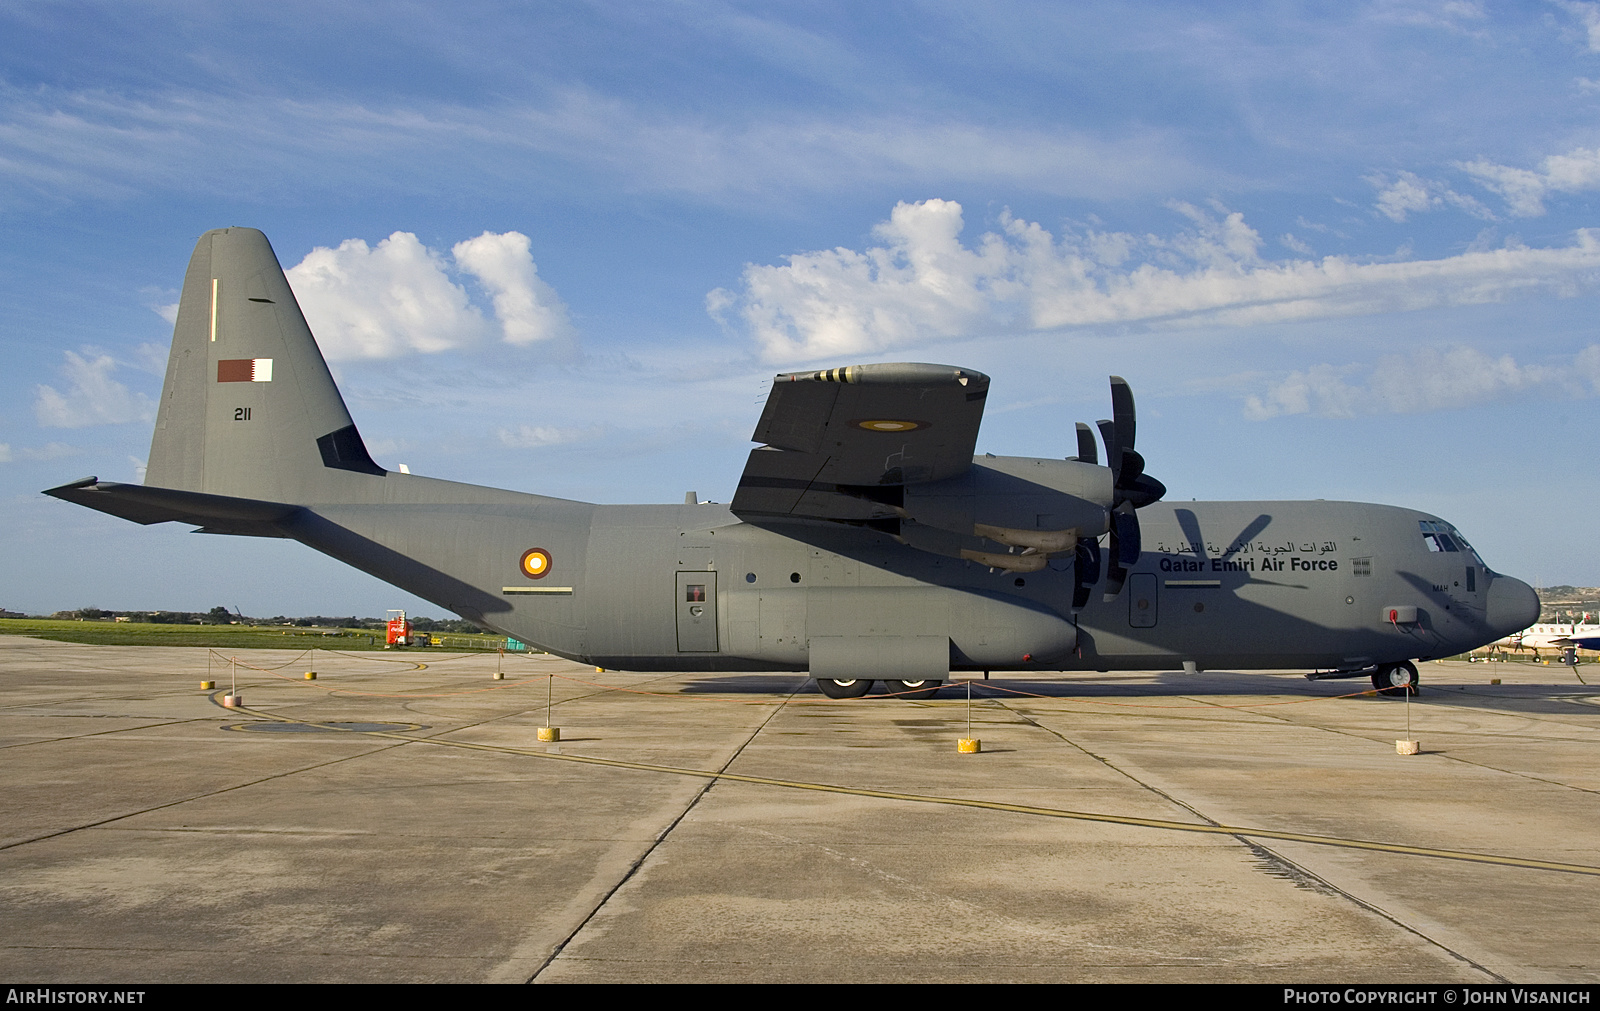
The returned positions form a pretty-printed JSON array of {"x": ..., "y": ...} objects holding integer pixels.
[{"x": 397, "y": 820}]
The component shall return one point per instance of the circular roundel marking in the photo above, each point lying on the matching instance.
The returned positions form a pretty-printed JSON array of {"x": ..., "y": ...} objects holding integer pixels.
[
  {"x": 536, "y": 563},
  {"x": 890, "y": 424}
]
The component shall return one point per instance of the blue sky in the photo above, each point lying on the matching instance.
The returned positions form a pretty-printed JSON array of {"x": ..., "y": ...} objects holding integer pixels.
[{"x": 1344, "y": 251}]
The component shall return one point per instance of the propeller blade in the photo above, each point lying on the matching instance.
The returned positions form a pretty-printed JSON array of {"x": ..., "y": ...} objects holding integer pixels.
[
  {"x": 1124, "y": 549},
  {"x": 1108, "y": 433},
  {"x": 1086, "y": 450},
  {"x": 1132, "y": 489},
  {"x": 1129, "y": 543},
  {"x": 1086, "y": 571},
  {"x": 1122, "y": 410},
  {"x": 1116, "y": 575}
]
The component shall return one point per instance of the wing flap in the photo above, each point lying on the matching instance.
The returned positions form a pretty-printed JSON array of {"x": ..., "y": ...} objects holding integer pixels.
[{"x": 796, "y": 415}]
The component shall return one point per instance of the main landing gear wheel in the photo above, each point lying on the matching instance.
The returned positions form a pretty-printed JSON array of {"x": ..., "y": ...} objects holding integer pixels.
[
  {"x": 1396, "y": 679},
  {"x": 851, "y": 689},
  {"x": 913, "y": 690}
]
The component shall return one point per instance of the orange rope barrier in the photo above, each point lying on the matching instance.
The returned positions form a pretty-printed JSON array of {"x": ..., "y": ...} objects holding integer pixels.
[
  {"x": 269, "y": 671},
  {"x": 679, "y": 695}
]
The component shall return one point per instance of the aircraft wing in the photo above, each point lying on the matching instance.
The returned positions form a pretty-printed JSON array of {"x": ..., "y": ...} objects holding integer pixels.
[{"x": 841, "y": 444}]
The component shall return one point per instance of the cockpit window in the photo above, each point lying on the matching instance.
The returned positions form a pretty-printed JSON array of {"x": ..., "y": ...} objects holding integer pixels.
[
  {"x": 1441, "y": 536},
  {"x": 1437, "y": 536}
]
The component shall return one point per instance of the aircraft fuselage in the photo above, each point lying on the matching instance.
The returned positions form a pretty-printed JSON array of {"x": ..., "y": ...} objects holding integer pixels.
[{"x": 1244, "y": 585}]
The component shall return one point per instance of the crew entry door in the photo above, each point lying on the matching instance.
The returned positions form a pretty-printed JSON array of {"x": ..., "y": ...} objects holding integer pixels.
[{"x": 697, "y": 612}]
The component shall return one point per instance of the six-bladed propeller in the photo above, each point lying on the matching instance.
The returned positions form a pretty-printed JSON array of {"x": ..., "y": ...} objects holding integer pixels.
[{"x": 1132, "y": 489}]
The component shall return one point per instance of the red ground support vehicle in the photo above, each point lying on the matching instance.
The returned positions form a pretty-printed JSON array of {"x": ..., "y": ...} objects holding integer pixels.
[{"x": 400, "y": 633}]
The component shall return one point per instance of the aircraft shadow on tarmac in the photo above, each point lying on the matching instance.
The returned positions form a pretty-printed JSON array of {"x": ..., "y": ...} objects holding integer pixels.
[
  {"x": 1554, "y": 699},
  {"x": 1163, "y": 685}
]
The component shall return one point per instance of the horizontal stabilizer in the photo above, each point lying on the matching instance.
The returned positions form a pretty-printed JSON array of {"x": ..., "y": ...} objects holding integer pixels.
[{"x": 146, "y": 505}]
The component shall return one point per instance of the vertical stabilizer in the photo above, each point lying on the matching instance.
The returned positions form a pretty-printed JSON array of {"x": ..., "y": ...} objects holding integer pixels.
[{"x": 249, "y": 409}]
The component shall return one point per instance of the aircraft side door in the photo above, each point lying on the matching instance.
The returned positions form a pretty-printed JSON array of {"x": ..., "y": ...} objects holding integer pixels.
[
  {"x": 697, "y": 612},
  {"x": 1142, "y": 600}
]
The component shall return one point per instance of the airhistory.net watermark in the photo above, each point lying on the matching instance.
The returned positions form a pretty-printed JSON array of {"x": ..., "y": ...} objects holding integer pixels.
[{"x": 50, "y": 995}]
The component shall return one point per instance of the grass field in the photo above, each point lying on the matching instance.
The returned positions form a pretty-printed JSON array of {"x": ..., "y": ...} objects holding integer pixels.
[{"x": 132, "y": 633}]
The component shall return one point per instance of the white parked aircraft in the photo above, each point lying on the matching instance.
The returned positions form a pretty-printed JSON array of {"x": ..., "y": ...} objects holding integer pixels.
[{"x": 1572, "y": 635}]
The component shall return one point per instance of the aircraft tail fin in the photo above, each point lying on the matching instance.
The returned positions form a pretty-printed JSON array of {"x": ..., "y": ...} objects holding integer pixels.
[{"x": 249, "y": 408}]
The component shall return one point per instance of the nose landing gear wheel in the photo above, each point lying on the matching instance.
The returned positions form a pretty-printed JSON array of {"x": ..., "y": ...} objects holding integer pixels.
[
  {"x": 1396, "y": 679},
  {"x": 913, "y": 690},
  {"x": 851, "y": 689}
]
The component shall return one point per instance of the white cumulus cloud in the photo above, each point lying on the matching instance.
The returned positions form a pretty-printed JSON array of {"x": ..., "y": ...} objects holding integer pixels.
[
  {"x": 1409, "y": 193},
  {"x": 380, "y": 302},
  {"x": 528, "y": 309},
  {"x": 92, "y": 397},
  {"x": 1588, "y": 17},
  {"x": 1430, "y": 379},
  {"x": 923, "y": 282},
  {"x": 1525, "y": 190},
  {"x": 1288, "y": 241},
  {"x": 399, "y": 298}
]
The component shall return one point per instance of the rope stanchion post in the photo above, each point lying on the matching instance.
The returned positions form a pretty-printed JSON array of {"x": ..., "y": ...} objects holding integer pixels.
[
  {"x": 969, "y": 745},
  {"x": 232, "y": 699},
  {"x": 1409, "y": 746},
  {"x": 549, "y": 733}
]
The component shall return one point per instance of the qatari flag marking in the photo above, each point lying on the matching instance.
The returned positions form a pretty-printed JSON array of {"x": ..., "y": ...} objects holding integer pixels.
[{"x": 244, "y": 370}]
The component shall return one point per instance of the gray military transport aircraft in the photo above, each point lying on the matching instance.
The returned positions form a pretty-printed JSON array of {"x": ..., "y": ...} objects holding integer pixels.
[{"x": 865, "y": 541}]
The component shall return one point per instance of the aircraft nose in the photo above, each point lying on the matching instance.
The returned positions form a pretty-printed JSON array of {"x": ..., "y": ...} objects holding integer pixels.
[{"x": 1512, "y": 605}]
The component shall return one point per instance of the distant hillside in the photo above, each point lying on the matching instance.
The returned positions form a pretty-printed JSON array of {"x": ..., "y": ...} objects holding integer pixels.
[
  {"x": 1568, "y": 603},
  {"x": 222, "y": 616}
]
